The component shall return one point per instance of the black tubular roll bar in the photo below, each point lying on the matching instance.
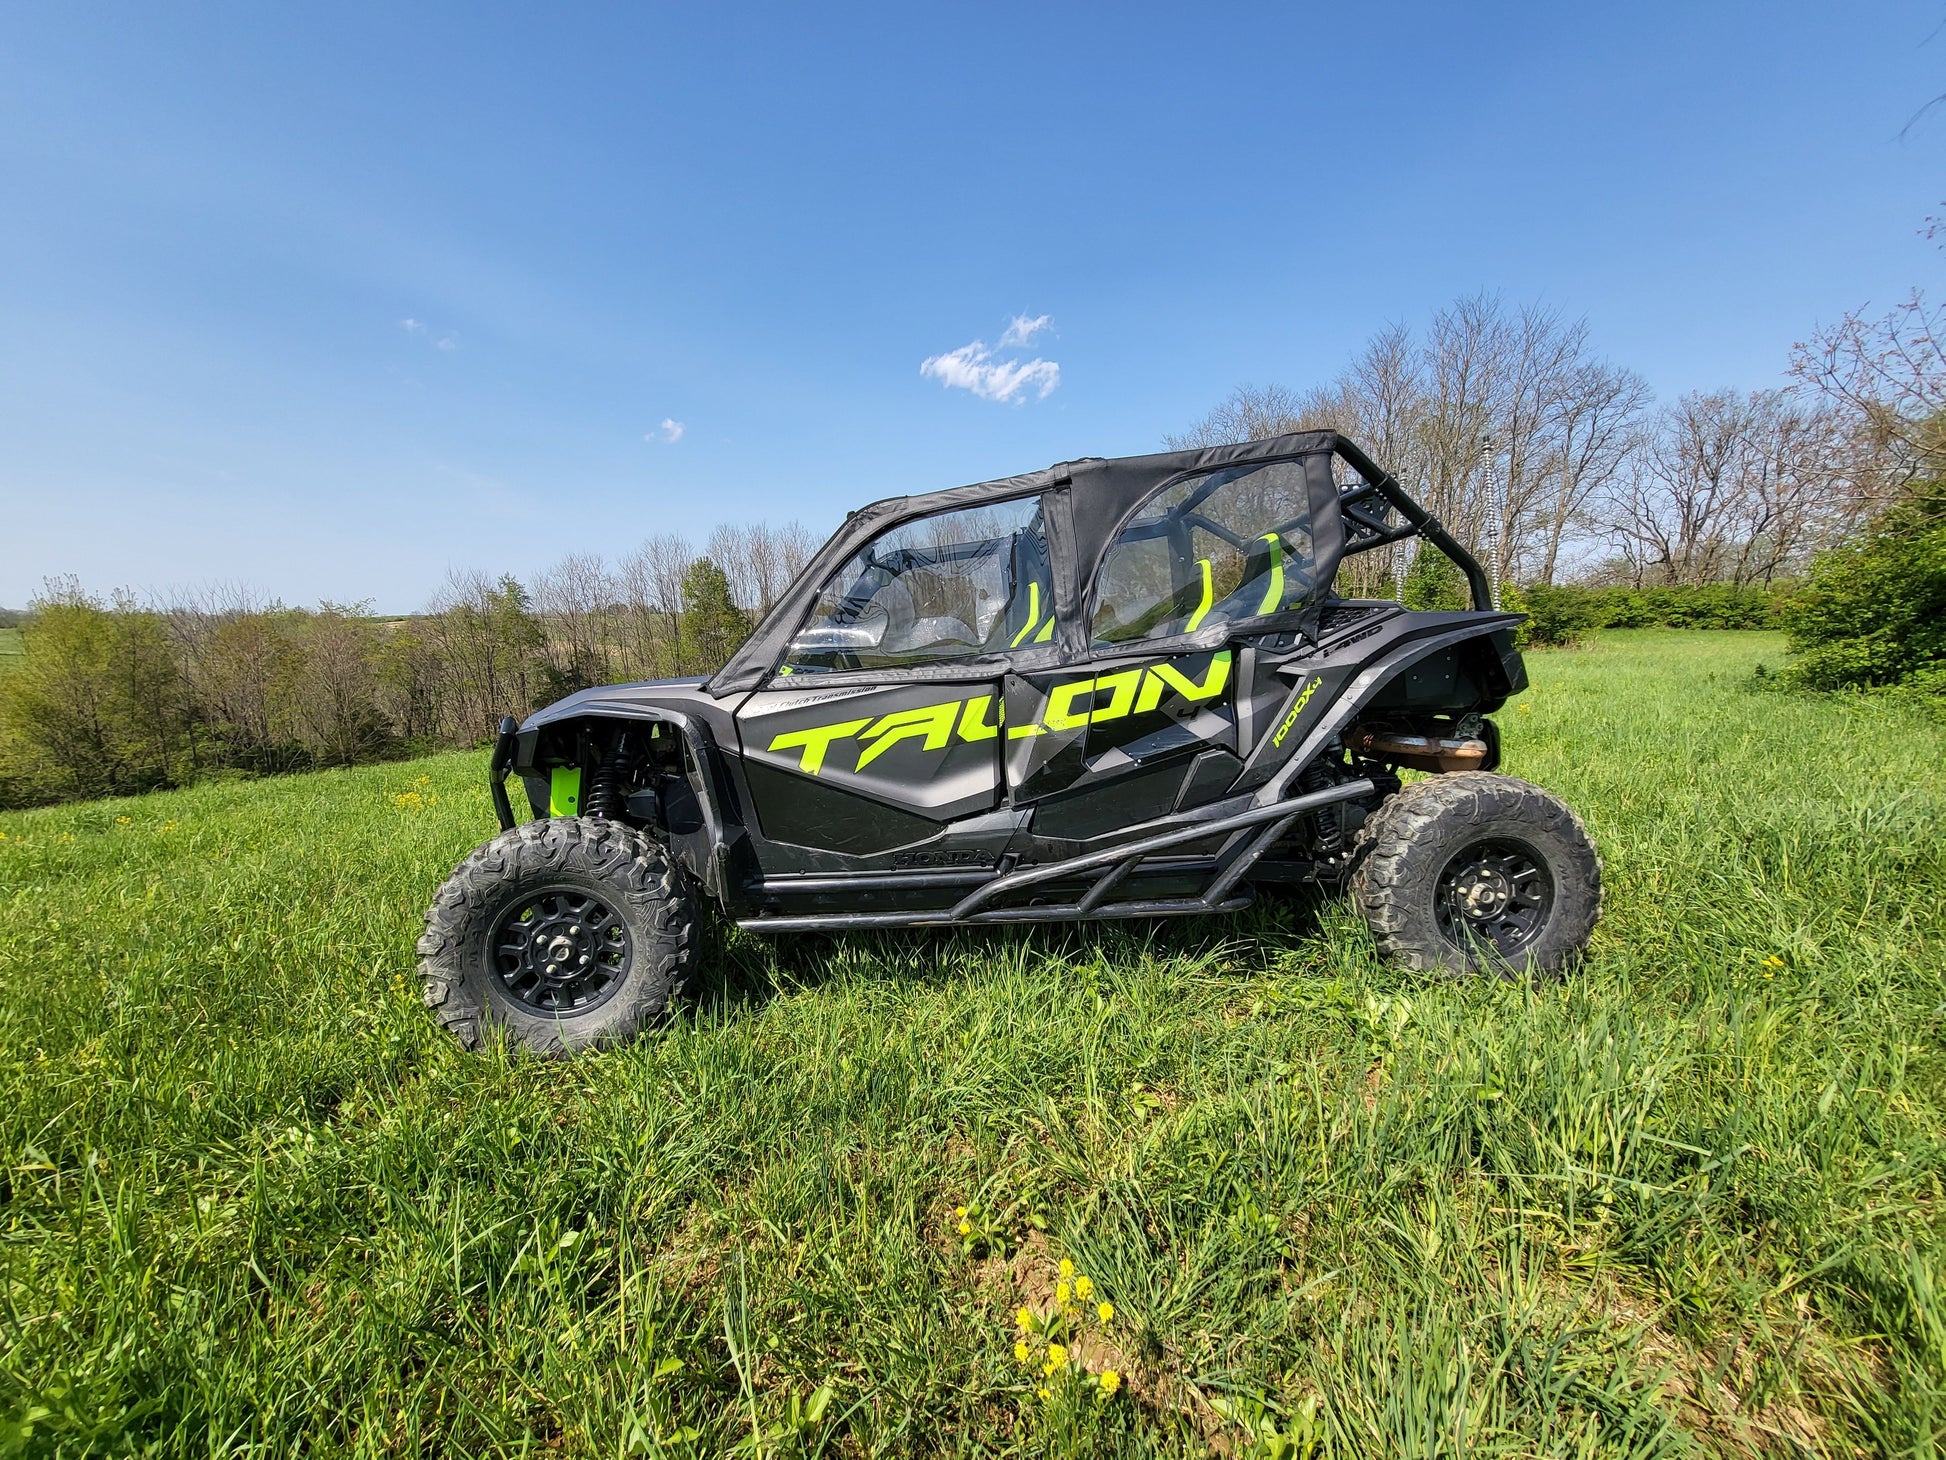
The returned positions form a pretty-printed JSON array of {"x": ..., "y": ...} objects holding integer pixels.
[
  {"x": 1365, "y": 529},
  {"x": 1269, "y": 823},
  {"x": 497, "y": 768}
]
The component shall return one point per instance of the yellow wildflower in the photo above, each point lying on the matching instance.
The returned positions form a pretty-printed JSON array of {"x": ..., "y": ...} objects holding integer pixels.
[
  {"x": 959, "y": 1211},
  {"x": 1067, "y": 1268},
  {"x": 1084, "y": 1288},
  {"x": 1057, "y": 1355},
  {"x": 1024, "y": 1319},
  {"x": 1020, "y": 1351},
  {"x": 1773, "y": 962},
  {"x": 121, "y": 821},
  {"x": 1105, "y": 1312},
  {"x": 1062, "y": 1293},
  {"x": 1110, "y": 1381},
  {"x": 964, "y": 1228},
  {"x": 1043, "y": 1394}
]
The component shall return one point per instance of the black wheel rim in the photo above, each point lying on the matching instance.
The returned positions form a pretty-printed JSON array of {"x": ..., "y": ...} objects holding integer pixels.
[
  {"x": 561, "y": 950},
  {"x": 1496, "y": 895}
]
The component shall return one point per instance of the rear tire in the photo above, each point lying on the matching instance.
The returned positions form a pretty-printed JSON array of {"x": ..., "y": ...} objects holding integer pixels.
[
  {"x": 569, "y": 933},
  {"x": 1472, "y": 871}
]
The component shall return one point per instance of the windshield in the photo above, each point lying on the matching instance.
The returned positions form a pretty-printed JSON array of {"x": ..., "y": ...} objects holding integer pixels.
[{"x": 954, "y": 585}]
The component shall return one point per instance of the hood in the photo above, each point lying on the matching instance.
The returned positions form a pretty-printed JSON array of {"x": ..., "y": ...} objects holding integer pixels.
[{"x": 627, "y": 700}]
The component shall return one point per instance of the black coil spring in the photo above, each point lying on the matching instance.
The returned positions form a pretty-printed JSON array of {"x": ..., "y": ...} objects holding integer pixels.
[
  {"x": 604, "y": 798},
  {"x": 1327, "y": 824}
]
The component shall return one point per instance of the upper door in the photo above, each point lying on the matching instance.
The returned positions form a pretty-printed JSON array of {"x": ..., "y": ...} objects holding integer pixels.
[
  {"x": 884, "y": 718},
  {"x": 1206, "y": 562}
]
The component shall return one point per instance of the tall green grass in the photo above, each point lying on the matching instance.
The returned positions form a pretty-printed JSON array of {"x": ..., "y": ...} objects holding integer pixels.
[{"x": 255, "y": 1203}]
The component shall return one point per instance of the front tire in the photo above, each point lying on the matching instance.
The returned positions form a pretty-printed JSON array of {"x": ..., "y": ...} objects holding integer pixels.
[
  {"x": 1472, "y": 871},
  {"x": 569, "y": 933}
]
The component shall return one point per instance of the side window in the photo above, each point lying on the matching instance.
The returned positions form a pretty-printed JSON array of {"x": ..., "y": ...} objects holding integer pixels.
[
  {"x": 1226, "y": 545},
  {"x": 955, "y": 585}
]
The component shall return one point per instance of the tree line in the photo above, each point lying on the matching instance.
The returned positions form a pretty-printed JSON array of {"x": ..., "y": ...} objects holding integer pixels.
[
  {"x": 118, "y": 695},
  {"x": 1550, "y": 462}
]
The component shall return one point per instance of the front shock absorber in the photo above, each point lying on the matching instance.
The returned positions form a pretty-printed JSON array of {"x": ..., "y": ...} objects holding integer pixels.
[
  {"x": 604, "y": 799},
  {"x": 1327, "y": 823}
]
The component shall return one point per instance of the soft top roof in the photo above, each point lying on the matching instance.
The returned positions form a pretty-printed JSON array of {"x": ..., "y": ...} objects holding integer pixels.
[{"x": 1102, "y": 494}]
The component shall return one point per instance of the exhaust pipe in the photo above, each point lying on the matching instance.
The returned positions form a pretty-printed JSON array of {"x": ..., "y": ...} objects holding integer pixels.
[{"x": 1420, "y": 752}]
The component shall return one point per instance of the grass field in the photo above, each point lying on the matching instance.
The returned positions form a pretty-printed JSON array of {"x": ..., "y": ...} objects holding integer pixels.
[
  {"x": 11, "y": 649},
  {"x": 255, "y": 1203}
]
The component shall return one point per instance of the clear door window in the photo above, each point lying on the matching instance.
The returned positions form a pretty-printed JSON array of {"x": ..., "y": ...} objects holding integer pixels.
[
  {"x": 956, "y": 585},
  {"x": 1215, "y": 548}
]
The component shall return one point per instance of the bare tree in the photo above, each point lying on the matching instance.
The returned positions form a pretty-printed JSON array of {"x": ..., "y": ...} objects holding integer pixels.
[
  {"x": 1518, "y": 401},
  {"x": 250, "y": 671},
  {"x": 410, "y": 680},
  {"x": 1731, "y": 488},
  {"x": 336, "y": 696},
  {"x": 1248, "y": 413},
  {"x": 485, "y": 635},
  {"x": 651, "y": 579},
  {"x": 573, "y": 599},
  {"x": 1888, "y": 375},
  {"x": 1594, "y": 436},
  {"x": 759, "y": 560},
  {"x": 791, "y": 547}
]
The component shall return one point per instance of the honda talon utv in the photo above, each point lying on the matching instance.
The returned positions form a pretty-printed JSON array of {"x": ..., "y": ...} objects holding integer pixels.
[{"x": 1111, "y": 689}]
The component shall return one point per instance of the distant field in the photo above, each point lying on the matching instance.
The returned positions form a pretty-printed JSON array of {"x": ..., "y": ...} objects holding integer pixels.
[
  {"x": 256, "y": 1203},
  {"x": 11, "y": 648}
]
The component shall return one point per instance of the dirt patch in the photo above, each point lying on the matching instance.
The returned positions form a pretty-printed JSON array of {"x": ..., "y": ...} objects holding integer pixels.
[
  {"x": 1374, "y": 1086},
  {"x": 1710, "y": 1393},
  {"x": 1030, "y": 1279}
]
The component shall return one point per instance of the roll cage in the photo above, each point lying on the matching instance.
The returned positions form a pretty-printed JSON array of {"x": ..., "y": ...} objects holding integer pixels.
[{"x": 1092, "y": 503}]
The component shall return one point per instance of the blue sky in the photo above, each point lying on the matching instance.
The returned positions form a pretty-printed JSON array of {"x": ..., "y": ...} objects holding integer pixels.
[{"x": 328, "y": 299}]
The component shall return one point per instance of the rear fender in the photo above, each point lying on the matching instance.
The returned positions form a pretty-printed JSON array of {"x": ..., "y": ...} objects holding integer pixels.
[{"x": 1324, "y": 701}]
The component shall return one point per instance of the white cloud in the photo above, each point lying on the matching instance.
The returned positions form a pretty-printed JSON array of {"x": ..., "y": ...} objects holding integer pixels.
[
  {"x": 413, "y": 326},
  {"x": 446, "y": 342},
  {"x": 1021, "y": 330},
  {"x": 975, "y": 367},
  {"x": 670, "y": 431}
]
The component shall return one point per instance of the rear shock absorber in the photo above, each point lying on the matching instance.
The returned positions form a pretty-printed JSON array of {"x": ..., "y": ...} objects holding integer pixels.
[
  {"x": 1327, "y": 823},
  {"x": 604, "y": 799}
]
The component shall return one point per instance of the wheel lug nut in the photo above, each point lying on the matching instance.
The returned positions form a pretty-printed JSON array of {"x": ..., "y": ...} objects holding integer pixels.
[{"x": 584, "y": 958}]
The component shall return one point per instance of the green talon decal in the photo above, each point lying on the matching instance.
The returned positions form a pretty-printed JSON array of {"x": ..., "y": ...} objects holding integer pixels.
[
  {"x": 1069, "y": 706},
  {"x": 816, "y": 741}
]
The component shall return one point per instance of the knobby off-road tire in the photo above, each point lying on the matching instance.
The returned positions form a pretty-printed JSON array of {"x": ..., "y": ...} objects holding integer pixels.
[
  {"x": 569, "y": 933},
  {"x": 1471, "y": 871}
]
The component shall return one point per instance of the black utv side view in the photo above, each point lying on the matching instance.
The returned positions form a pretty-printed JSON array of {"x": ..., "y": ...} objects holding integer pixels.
[{"x": 1111, "y": 689}]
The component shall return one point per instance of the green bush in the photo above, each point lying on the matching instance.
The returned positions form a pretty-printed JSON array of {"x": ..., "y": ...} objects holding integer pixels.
[
  {"x": 1436, "y": 582},
  {"x": 1560, "y": 613},
  {"x": 97, "y": 706},
  {"x": 1874, "y": 613}
]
